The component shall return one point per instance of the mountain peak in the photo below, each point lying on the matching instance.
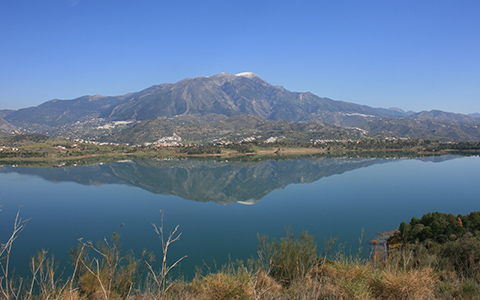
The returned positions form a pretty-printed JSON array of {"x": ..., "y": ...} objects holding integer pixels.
[{"x": 247, "y": 74}]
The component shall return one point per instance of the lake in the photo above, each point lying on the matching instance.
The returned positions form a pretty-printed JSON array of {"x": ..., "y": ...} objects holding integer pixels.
[{"x": 220, "y": 206}]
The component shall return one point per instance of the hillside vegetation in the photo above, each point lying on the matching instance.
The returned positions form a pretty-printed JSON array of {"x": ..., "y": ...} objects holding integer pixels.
[{"x": 233, "y": 129}]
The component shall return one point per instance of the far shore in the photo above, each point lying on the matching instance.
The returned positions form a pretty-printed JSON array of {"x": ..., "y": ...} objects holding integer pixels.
[{"x": 258, "y": 153}]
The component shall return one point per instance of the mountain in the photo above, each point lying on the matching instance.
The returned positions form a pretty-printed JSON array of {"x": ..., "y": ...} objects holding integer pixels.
[
  {"x": 222, "y": 94},
  {"x": 208, "y": 105},
  {"x": 241, "y": 94}
]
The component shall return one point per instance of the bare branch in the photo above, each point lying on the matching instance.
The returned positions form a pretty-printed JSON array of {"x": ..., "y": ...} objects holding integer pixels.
[
  {"x": 76, "y": 268},
  {"x": 6, "y": 284},
  {"x": 161, "y": 278}
]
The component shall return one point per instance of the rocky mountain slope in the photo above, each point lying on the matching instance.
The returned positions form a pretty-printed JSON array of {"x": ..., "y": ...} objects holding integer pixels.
[{"x": 241, "y": 94}]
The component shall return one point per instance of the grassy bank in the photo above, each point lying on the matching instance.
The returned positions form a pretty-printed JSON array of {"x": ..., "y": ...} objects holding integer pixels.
[{"x": 435, "y": 257}]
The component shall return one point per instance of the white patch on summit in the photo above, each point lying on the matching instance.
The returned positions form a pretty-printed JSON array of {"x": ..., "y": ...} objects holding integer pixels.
[{"x": 247, "y": 74}]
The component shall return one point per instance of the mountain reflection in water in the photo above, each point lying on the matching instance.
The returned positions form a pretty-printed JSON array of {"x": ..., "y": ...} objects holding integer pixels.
[
  {"x": 204, "y": 181},
  {"x": 340, "y": 197}
]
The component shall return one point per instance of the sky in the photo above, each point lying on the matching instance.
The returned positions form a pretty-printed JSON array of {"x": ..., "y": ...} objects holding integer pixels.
[{"x": 416, "y": 55}]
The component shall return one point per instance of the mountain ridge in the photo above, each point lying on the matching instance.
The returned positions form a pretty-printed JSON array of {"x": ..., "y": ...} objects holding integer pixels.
[{"x": 222, "y": 93}]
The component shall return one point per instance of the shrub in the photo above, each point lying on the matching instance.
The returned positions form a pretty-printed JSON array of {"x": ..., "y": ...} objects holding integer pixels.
[
  {"x": 107, "y": 272},
  {"x": 455, "y": 288},
  {"x": 289, "y": 258},
  {"x": 463, "y": 255}
]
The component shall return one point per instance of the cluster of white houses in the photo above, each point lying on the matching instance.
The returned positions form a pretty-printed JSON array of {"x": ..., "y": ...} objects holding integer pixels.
[
  {"x": 176, "y": 141},
  {"x": 3, "y": 148},
  {"x": 167, "y": 141},
  {"x": 94, "y": 142}
]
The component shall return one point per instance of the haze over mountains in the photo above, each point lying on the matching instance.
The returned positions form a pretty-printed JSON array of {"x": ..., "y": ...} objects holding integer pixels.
[{"x": 215, "y": 102}]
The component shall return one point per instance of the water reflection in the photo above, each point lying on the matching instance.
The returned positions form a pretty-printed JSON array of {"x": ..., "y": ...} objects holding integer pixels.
[
  {"x": 204, "y": 181},
  {"x": 339, "y": 197}
]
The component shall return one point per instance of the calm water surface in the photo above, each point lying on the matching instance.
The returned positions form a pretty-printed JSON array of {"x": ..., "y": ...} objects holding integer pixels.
[{"x": 221, "y": 206}]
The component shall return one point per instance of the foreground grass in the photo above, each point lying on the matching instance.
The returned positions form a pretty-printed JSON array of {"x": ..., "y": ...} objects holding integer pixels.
[{"x": 289, "y": 268}]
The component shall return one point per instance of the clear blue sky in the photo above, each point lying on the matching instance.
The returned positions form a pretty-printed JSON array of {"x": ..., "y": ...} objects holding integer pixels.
[{"x": 416, "y": 55}]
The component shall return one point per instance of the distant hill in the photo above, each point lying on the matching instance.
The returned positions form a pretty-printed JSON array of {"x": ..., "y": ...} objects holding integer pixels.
[
  {"x": 59, "y": 112},
  {"x": 474, "y": 115},
  {"x": 26, "y": 139},
  {"x": 5, "y": 112},
  {"x": 424, "y": 129},
  {"x": 5, "y": 126},
  {"x": 445, "y": 116}
]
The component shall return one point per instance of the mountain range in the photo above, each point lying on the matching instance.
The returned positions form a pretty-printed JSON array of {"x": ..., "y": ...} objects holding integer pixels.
[{"x": 215, "y": 102}]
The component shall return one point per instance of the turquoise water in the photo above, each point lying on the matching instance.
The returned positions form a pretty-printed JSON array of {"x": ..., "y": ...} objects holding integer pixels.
[{"x": 221, "y": 206}]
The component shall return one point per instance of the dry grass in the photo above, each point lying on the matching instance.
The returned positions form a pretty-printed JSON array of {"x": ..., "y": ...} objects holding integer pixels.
[
  {"x": 413, "y": 284},
  {"x": 223, "y": 286},
  {"x": 334, "y": 280}
]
